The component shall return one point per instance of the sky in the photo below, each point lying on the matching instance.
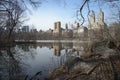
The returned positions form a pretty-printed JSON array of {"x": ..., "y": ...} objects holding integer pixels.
[{"x": 59, "y": 10}]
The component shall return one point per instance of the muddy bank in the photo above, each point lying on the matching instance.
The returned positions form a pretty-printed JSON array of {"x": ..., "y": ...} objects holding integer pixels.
[
  {"x": 102, "y": 69},
  {"x": 102, "y": 62}
]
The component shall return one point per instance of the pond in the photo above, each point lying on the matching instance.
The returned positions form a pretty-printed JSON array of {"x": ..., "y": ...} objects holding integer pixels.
[{"x": 23, "y": 60}]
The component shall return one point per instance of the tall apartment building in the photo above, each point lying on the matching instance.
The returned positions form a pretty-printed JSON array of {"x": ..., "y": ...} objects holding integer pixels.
[
  {"x": 25, "y": 29},
  {"x": 57, "y": 32}
]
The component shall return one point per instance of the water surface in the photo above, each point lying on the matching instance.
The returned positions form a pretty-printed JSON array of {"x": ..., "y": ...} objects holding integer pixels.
[{"x": 28, "y": 59}]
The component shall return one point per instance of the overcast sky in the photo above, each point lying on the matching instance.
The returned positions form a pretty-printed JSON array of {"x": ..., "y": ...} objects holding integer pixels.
[{"x": 65, "y": 11}]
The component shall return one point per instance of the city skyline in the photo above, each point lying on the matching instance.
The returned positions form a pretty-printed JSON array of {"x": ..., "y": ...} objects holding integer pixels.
[{"x": 49, "y": 12}]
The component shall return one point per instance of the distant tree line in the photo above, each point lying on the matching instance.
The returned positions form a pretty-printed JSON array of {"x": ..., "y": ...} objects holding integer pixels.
[
  {"x": 112, "y": 32},
  {"x": 34, "y": 35}
]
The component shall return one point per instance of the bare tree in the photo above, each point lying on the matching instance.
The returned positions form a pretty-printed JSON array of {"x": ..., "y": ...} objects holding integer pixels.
[{"x": 11, "y": 12}]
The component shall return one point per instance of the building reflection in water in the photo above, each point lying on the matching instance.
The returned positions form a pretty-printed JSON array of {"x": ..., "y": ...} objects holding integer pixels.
[
  {"x": 78, "y": 47},
  {"x": 58, "y": 47}
]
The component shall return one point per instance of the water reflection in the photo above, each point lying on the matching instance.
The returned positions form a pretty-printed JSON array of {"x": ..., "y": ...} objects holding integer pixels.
[
  {"x": 27, "y": 59},
  {"x": 10, "y": 65}
]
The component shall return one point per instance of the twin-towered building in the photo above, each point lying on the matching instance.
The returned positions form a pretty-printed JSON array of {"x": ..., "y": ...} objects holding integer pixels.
[
  {"x": 96, "y": 28},
  {"x": 100, "y": 24}
]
